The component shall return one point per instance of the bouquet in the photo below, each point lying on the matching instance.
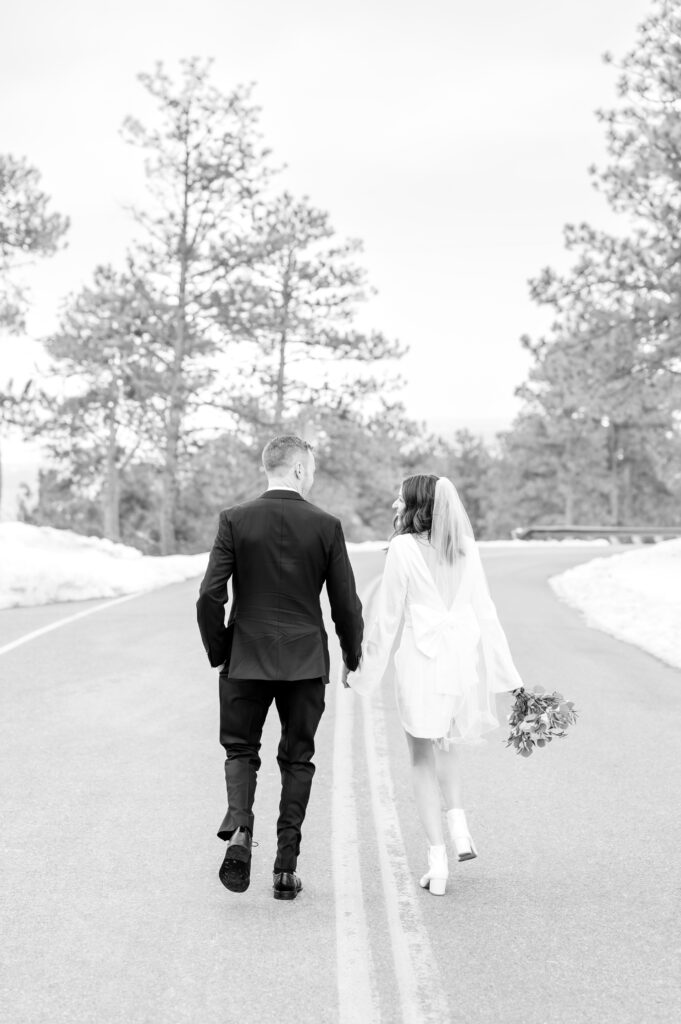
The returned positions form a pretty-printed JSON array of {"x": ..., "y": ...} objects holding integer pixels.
[{"x": 537, "y": 717}]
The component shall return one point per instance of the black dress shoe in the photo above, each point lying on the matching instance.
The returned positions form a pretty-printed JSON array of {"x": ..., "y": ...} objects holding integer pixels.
[
  {"x": 286, "y": 885},
  {"x": 235, "y": 871}
]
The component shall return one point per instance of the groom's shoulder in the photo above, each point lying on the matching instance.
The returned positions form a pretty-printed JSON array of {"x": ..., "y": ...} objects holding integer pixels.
[
  {"x": 302, "y": 507},
  {"x": 240, "y": 508},
  {"x": 319, "y": 514}
]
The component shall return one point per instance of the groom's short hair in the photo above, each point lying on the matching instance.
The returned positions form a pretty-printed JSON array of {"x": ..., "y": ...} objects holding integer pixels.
[{"x": 283, "y": 450}]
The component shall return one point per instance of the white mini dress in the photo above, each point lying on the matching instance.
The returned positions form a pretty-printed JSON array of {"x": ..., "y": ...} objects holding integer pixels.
[{"x": 453, "y": 655}]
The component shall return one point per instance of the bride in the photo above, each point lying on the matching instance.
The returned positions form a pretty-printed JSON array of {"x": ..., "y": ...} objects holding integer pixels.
[{"x": 452, "y": 659}]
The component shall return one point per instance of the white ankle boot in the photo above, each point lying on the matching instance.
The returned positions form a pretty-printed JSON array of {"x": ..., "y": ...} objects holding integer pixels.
[
  {"x": 438, "y": 871},
  {"x": 461, "y": 837}
]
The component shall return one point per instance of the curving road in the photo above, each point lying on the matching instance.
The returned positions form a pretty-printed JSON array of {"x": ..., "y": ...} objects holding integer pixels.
[{"x": 112, "y": 790}]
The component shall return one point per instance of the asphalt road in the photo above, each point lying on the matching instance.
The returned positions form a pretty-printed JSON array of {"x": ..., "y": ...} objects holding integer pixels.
[{"x": 113, "y": 789}]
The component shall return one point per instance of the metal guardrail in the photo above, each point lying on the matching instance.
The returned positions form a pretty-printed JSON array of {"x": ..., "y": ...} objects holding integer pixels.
[{"x": 614, "y": 534}]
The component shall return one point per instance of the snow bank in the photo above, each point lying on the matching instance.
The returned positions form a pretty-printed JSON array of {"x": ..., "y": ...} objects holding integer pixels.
[
  {"x": 635, "y": 596},
  {"x": 40, "y": 565}
]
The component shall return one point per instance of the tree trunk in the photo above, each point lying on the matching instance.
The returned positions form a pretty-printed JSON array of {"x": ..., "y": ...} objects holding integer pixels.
[
  {"x": 627, "y": 503},
  {"x": 283, "y": 339},
  {"x": 169, "y": 483},
  {"x": 176, "y": 396},
  {"x": 112, "y": 519},
  {"x": 569, "y": 507},
  {"x": 614, "y": 491},
  {"x": 281, "y": 382}
]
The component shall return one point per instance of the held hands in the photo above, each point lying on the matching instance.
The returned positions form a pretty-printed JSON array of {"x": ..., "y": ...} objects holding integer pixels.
[{"x": 345, "y": 672}]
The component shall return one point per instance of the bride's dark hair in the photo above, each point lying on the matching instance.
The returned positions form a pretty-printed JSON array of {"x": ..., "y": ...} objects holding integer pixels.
[{"x": 418, "y": 494}]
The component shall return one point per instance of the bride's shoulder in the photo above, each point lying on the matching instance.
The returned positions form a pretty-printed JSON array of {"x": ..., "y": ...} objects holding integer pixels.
[
  {"x": 400, "y": 540},
  {"x": 399, "y": 545}
]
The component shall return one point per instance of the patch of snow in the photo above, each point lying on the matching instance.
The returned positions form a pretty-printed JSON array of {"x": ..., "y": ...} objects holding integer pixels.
[
  {"x": 635, "y": 596},
  {"x": 41, "y": 565}
]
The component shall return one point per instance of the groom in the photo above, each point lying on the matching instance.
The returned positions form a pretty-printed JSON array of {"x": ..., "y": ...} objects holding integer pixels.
[{"x": 278, "y": 550}]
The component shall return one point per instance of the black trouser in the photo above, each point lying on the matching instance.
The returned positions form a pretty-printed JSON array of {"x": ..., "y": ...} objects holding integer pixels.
[{"x": 244, "y": 704}]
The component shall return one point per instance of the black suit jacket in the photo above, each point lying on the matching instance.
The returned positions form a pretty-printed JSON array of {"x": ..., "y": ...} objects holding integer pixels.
[{"x": 279, "y": 550}]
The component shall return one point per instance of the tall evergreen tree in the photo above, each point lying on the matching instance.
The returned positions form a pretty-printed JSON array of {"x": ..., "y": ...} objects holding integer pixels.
[
  {"x": 28, "y": 230},
  {"x": 467, "y": 461},
  {"x": 106, "y": 411},
  {"x": 205, "y": 166},
  {"x": 613, "y": 358},
  {"x": 637, "y": 275},
  {"x": 297, "y": 306}
]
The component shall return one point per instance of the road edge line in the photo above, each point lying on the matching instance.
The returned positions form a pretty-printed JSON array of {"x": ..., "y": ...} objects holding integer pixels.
[{"x": 68, "y": 619}]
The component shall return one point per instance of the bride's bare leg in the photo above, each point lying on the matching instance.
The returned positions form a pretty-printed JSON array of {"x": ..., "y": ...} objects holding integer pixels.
[
  {"x": 448, "y": 767},
  {"x": 426, "y": 789},
  {"x": 449, "y": 777}
]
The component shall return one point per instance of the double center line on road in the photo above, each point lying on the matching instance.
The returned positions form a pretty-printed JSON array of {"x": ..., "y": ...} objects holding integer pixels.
[
  {"x": 357, "y": 998},
  {"x": 422, "y": 998}
]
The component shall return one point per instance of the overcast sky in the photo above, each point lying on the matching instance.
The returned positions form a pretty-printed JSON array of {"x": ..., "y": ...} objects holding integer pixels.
[{"x": 453, "y": 138}]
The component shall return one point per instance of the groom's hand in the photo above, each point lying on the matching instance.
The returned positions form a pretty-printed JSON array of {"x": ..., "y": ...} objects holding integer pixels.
[{"x": 344, "y": 677}]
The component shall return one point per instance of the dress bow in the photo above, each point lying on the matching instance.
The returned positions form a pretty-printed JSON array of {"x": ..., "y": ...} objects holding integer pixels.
[{"x": 450, "y": 636}]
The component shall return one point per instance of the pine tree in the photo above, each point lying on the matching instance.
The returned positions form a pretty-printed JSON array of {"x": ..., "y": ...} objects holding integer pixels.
[
  {"x": 28, "y": 230},
  {"x": 637, "y": 275},
  {"x": 297, "y": 306},
  {"x": 613, "y": 357},
  {"x": 467, "y": 461},
  {"x": 205, "y": 167},
  {"x": 105, "y": 411}
]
